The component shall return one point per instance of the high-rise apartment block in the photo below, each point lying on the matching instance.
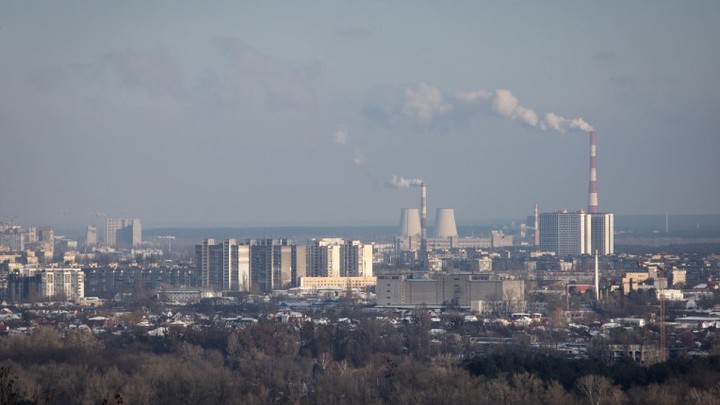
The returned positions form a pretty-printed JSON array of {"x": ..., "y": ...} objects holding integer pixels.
[
  {"x": 12, "y": 239},
  {"x": 576, "y": 233},
  {"x": 91, "y": 238},
  {"x": 276, "y": 264},
  {"x": 223, "y": 266},
  {"x": 357, "y": 259},
  {"x": 264, "y": 265},
  {"x": 32, "y": 283},
  {"x": 323, "y": 257},
  {"x": 258, "y": 264},
  {"x": 602, "y": 227},
  {"x": 123, "y": 233},
  {"x": 335, "y": 257}
]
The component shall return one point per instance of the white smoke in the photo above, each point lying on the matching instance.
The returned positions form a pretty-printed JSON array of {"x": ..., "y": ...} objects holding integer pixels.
[
  {"x": 424, "y": 101},
  {"x": 471, "y": 96},
  {"x": 402, "y": 182},
  {"x": 562, "y": 125},
  {"x": 504, "y": 103}
]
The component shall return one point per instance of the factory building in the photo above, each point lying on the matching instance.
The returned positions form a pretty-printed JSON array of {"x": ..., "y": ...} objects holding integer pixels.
[{"x": 450, "y": 289}]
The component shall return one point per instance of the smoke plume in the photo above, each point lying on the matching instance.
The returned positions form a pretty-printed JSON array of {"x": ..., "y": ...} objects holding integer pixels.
[
  {"x": 504, "y": 103},
  {"x": 402, "y": 182},
  {"x": 423, "y": 103}
]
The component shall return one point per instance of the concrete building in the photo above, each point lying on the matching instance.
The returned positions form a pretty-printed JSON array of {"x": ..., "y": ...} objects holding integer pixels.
[
  {"x": 259, "y": 265},
  {"x": 449, "y": 289},
  {"x": 123, "y": 233},
  {"x": 39, "y": 284},
  {"x": 323, "y": 257},
  {"x": 643, "y": 354},
  {"x": 577, "y": 233},
  {"x": 12, "y": 239},
  {"x": 357, "y": 259},
  {"x": 679, "y": 277},
  {"x": 500, "y": 240},
  {"x": 337, "y": 282},
  {"x": 223, "y": 266},
  {"x": 31, "y": 235},
  {"x": 275, "y": 264},
  {"x": 335, "y": 257},
  {"x": 601, "y": 233},
  {"x": 91, "y": 236},
  {"x": 564, "y": 233}
]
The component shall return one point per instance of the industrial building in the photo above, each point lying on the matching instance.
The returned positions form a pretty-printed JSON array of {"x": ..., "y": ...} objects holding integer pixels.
[{"x": 450, "y": 289}]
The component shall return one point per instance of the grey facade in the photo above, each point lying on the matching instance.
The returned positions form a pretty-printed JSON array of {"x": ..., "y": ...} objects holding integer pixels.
[{"x": 448, "y": 289}]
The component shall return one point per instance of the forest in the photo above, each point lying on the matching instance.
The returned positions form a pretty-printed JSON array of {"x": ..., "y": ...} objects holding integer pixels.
[{"x": 366, "y": 362}]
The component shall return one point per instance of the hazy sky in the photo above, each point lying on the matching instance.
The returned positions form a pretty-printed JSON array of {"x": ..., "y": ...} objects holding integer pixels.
[{"x": 300, "y": 113}]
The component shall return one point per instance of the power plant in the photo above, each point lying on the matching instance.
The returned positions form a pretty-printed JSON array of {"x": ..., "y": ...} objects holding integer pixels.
[
  {"x": 445, "y": 223},
  {"x": 585, "y": 232},
  {"x": 410, "y": 223},
  {"x": 579, "y": 232}
]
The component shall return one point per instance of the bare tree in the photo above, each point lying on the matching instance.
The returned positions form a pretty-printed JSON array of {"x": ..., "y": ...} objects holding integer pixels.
[{"x": 597, "y": 390}]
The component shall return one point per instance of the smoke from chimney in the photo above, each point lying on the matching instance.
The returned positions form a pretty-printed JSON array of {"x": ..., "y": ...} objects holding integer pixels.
[
  {"x": 423, "y": 103},
  {"x": 402, "y": 182},
  {"x": 505, "y": 103}
]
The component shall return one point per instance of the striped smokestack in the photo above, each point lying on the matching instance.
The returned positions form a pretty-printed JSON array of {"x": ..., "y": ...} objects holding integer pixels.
[
  {"x": 423, "y": 211},
  {"x": 593, "y": 192},
  {"x": 423, "y": 225}
]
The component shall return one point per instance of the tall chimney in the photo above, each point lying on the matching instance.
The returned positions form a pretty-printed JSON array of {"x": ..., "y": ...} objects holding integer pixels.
[
  {"x": 536, "y": 239},
  {"x": 423, "y": 210},
  {"x": 593, "y": 192},
  {"x": 597, "y": 278}
]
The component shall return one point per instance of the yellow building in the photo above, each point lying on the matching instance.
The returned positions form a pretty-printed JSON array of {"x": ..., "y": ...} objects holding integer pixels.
[{"x": 337, "y": 282}]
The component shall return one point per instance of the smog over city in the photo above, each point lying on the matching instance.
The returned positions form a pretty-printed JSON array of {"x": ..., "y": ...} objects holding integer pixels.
[
  {"x": 405, "y": 202},
  {"x": 273, "y": 114}
]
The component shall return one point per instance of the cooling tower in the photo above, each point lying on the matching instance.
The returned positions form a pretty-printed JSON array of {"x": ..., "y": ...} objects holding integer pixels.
[
  {"x": 409, "y": 222},
  {"x": 445, "y": 223}
]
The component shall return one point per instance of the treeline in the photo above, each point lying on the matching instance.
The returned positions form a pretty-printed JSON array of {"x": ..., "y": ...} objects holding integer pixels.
[
  {"x": 370, "y": 362},
  {"x": 695, "y": 372}
]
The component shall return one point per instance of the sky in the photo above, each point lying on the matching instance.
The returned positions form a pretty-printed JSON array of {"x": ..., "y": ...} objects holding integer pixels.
[{"x": 270, "y": 113}]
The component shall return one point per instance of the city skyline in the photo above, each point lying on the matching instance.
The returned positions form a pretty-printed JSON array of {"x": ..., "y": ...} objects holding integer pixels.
[{"x": 269, "y": 114}]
